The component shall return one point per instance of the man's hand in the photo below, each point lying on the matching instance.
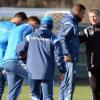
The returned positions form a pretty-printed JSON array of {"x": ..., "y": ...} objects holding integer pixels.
[
  {"x": 4, "y": 72},
  {"x": 67, "y": 58},
  {"x": 23, "y": 56},
  {"x": 62, "y": 70},
  {"x": 61, "y": 77}
]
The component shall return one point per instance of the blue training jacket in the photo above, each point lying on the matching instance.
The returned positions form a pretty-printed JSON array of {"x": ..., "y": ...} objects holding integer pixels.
[
  {"x": 5, "y": 27},
  {"x": 17, "y": 35},
  {"x": 44, "y": 49},
  {"x": 69, "y": 35}
]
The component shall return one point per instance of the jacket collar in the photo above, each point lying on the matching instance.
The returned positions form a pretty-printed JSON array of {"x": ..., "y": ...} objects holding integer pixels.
[
  {"x": 70, "y": 16},
  {"x": 45, "y": 32}
]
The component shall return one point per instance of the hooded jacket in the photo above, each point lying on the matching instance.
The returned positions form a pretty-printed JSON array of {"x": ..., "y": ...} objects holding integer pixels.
[
  {"x": 44, "y": 49},
  {"x": 69, "y": 35}
]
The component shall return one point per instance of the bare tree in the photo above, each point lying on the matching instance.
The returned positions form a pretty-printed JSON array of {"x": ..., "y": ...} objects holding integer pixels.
[
  {"x": 21, "y": 3},
  {"x": 66, "y": 3}
]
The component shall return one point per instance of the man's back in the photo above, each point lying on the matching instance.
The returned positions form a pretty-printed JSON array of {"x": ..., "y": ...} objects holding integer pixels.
[
  {"x": 40, "y": 60},
  {"x": 16, "y": 37},
  {"x": 5, "y": 27}
]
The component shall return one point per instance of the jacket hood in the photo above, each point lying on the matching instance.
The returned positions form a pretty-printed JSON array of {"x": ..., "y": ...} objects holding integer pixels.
[
  {"x": 45, "y": 32},
  {"x": 70, "y": 18}
]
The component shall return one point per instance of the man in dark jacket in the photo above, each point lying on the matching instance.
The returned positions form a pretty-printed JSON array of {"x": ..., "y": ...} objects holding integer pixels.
[
  {"x": 70, "y": 43},
  {"x": 44, "y": 49},
  {"x": 91, "y": 37}
]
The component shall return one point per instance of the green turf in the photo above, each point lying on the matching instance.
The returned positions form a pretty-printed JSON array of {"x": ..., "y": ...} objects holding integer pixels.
[{"x": 82, "y": 92}]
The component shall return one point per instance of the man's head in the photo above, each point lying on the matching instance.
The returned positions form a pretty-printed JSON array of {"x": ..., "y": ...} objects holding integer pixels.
[
  {"x": 34, "y": 21},
  {"x": 79, "y": 11},
  {"x": 19, "y": 18},
  {"x": 47, "y": 22},
  {"x": 94, "y": 16}
]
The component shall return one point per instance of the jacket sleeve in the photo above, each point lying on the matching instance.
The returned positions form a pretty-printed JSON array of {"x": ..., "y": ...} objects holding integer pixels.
[
  {"x": 28, "y": 31},
  {"x": 66, "y": 31},
  {"x": 22, "y": 49},
  {"x": 58, "y": 55}
]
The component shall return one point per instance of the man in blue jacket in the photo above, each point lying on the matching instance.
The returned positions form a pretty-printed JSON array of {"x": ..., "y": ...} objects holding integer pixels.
[
  {"x": 44, "y": 49},
  {"x": 5, "y": 27},
  {"x": 15, "y": 72},
  {"x": 70, "y": 43}
]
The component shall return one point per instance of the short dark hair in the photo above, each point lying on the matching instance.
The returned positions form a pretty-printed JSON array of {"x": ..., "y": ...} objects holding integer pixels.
[
  {"x": 34, "y": 18},
  {"x": 78, "y": 6},
  {"x": 21, "y": 15}
]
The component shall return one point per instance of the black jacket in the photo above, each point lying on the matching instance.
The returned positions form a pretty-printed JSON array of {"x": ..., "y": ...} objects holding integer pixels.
[{"x": 91, "y": 37}]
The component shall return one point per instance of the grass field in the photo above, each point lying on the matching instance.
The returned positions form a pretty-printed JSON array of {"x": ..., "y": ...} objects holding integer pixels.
[{"x": 82, "y": 92}]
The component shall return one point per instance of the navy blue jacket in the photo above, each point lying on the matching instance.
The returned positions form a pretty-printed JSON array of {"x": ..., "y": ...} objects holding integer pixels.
[
  {"x": 69, "y": 35},
  {"x": 43, "y": 50}
]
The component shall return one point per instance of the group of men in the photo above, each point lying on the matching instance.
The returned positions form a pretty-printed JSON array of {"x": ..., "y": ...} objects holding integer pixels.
[
  {"x": 11, "y": 33},
  {"x": 29, "y": 49}
]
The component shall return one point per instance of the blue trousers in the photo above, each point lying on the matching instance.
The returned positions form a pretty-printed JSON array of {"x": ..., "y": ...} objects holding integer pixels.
[
  {"x": 68, "y": 84},
  {"x": 15, "y": 74},
  {"x": 46, "y": 86},
  {"x": 2, "y": 83}
]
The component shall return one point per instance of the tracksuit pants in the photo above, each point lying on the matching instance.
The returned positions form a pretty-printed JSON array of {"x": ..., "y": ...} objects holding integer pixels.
[
  {"x": 2, "y": 83},
  {"x": 46, "y": 86},
  {"x": 94, "y": 79},
  {"x": 68, "y": 83},
  {"x": 15, "y": 74}
]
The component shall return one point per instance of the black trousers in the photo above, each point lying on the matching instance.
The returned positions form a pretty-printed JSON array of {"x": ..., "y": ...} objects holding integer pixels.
[
  {"x": 94, "y": 79},
  {"x": 2, "y": 83}
]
